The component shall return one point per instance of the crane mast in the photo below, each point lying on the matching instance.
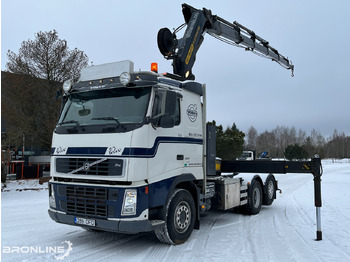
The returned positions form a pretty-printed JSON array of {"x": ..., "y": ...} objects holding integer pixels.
[{"x": 183, "y": 51}]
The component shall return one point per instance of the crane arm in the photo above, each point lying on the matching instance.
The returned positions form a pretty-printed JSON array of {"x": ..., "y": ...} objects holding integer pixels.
[{"x": 198, "y": 22}]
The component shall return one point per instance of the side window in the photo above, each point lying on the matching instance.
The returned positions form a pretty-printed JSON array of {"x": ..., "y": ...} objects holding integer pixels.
[{"x": 158, "y": 104}]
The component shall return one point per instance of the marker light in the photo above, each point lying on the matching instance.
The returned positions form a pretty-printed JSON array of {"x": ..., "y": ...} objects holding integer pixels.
[
  {"x": 67, "y": 85},
  {"x": 125, "y": 78},
  {"x": 154, "y": 67}
]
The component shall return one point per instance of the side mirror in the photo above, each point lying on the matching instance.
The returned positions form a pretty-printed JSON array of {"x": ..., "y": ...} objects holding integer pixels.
[{"x": 167, "y": 121}]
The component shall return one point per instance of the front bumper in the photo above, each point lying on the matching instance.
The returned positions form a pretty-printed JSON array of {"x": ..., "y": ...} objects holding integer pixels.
[{"x": 121, "y": 226}]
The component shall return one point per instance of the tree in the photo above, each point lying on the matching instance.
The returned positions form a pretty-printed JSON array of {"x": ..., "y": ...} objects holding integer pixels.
[
  {"x": 252, "y": 136},
  {"x": 284, "y": 136},
  {"x": 338, "y": 146},
  {"x": 295, "y": 152},
  {"x": 266, "y": 141},
  {"x": 39, "y": 68},
  {"x": 28, "y": 109},
  {"x": 47, "y": 57},
  {"x": 229, "y": 143}
]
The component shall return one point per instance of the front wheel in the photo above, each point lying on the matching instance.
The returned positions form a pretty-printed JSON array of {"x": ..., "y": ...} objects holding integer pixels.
[{"x": 179, "y": 215}]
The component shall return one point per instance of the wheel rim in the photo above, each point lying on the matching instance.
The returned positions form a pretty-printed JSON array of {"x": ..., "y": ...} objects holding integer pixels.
[
  {"x": 270, "y": 189},
  {"x": 256, "y": 197},
  {"x": 182, "y": 217}
]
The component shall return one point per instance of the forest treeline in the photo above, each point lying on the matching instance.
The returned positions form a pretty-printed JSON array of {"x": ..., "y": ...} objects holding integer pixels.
[
  {"x": 280, "y": 142},
  {"x": 278, "y": 139}
]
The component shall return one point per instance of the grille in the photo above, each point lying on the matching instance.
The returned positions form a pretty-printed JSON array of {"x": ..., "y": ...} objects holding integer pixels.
[
  {"x": 87, "y": 201},
  {"x": 90, "y": 166}
]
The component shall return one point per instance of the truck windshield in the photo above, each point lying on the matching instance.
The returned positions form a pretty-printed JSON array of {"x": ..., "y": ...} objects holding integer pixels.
[{"x": 104, "y": 110}]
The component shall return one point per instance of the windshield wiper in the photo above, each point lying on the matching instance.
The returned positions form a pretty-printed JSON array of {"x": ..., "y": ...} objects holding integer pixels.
[
  {"x": 69, "y": 122},
  {"x": 107, "y": 118}
]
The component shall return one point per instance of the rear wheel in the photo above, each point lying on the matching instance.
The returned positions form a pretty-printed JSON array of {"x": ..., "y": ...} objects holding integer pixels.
[
  {"x": 255, "y": 197},
  {"x": 269, "y": 190},
  {"x": 179, "y": 215}
]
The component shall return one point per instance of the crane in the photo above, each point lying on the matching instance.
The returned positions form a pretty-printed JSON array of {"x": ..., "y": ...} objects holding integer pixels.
[{"x": 183, "y": 51}]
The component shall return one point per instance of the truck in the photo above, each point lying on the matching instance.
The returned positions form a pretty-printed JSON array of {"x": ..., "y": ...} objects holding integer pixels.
[
  {"x": 132, "y": 152},
  {"x": 247, "y": 155}
]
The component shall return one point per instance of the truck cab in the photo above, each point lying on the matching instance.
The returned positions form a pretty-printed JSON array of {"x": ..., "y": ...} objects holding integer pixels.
[{"x": 124, "y": 140}]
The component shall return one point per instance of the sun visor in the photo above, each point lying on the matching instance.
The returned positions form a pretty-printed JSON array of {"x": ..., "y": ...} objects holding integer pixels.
[{"x": 106, "y": 70}]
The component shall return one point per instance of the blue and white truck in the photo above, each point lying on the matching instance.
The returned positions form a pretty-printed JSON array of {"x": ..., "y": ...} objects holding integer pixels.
[{"x": 132, "y": 153}]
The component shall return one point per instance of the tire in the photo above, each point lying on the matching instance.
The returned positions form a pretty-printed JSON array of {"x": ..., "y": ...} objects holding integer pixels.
[
  {"x": 179, "y": 215},
  {"x": 269, "y": 190},
  {"x": 255, "y": 198}
]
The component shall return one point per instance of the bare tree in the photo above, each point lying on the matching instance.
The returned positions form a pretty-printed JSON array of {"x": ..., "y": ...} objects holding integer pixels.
[
  {"x": 301, "y": 138},
  {"x": 266, "y": 142},
  {"x": 252, "y": 135},
  {"x": 47, "y": 57},
  {"x": 284, "y": 136},
  {"x": 338, "y": 146}
]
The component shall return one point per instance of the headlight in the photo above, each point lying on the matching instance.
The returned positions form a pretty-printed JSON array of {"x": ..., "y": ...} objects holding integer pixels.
[
  {"x": 129, "y": 202},
  {"x": 67, "y": 85},
  {"x": 52, "y": 200}
]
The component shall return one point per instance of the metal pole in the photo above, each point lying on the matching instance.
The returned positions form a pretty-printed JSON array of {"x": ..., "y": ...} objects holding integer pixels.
[
  {"x": 317, "y": 189},
  {"x": 204, "y": 119},
  {"x": 23, "y": 148},
  {"x": 318, "y": 218}
]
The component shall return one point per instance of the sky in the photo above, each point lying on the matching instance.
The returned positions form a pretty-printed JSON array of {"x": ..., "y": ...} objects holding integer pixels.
[{"x": 242, "y": 87}]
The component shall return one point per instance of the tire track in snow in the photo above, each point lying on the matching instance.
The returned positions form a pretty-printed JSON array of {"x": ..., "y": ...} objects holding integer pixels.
[
  {"x": 199, "y": 241},
  {"x": 98, "y": 246},
  {"x": 336, "y": 236},
  {"x": 299, "y": 220},
  {"x": 280, "y": 220}
]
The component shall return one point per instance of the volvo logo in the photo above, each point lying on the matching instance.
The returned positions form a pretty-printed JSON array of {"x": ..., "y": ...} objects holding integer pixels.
[
  {"x": 192, "y": 112},
  {"x": 86, "y": 166}
]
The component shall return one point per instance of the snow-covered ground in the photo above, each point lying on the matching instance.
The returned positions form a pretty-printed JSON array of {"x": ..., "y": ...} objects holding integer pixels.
[{"x": 285, "y": 231}]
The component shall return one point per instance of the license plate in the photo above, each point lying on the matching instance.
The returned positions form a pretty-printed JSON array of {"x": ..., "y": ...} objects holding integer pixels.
[{"x": 84, "y": 221}]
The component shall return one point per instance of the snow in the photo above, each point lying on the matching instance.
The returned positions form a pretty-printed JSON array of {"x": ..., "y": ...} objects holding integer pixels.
[{"x": 285, "y": 231}]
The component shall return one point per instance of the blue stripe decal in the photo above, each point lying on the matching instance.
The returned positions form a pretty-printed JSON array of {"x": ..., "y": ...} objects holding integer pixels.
[
  {"x": 139, "y": 152},
  {"x": 86, "y": 150},
  {"x": 151, "y": 152}
]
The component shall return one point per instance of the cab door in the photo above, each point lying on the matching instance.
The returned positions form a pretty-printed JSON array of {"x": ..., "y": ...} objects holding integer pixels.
[{"x": 167, "y": 151}]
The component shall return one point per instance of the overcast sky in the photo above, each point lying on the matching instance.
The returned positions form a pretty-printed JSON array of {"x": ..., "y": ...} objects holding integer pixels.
[{"x": 242, "y": 87}]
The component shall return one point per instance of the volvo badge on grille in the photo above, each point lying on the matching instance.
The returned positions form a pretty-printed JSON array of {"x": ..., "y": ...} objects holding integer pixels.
[{"x": 86, "y": 166}]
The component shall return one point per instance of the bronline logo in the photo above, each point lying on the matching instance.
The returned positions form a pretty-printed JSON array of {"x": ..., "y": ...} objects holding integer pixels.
[{"x": 60, "y": 251}]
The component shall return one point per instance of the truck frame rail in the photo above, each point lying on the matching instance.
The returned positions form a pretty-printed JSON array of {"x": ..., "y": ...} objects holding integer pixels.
[{"x": 313, "y": 166}]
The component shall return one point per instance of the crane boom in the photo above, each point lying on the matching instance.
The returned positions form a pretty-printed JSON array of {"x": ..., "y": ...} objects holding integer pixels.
[{"x": 183, "y": 51}]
